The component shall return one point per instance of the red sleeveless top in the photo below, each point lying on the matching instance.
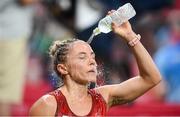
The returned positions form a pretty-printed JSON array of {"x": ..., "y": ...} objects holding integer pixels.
[{"x": 99, "y": 107}]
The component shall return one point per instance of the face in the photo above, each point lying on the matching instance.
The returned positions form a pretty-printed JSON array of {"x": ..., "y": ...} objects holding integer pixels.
[{"x": 81, "y": 64}]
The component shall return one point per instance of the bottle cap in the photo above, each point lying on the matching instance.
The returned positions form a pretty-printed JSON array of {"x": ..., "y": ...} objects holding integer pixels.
[{"x": 96, "y": 31}]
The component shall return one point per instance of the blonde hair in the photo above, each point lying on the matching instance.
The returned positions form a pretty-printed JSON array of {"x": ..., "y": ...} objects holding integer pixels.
[{"x": 58, "y": 52}]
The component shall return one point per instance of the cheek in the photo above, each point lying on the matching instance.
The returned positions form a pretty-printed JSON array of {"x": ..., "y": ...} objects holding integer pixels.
[
  {"x": 78, "y": 72},
  {"x": 77, "y": 69}
]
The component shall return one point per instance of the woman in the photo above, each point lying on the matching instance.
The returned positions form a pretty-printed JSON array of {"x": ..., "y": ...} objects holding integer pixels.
[{"x": 74, "y": 61}]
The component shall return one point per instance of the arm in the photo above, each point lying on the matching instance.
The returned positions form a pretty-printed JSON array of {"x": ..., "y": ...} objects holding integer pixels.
[
  {"x": 148, "y": 76},
  {"x": 46, "y": 105}
]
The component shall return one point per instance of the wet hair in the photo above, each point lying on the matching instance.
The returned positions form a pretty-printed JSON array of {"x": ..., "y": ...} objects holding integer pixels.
[{"x": 58, "y": 52}]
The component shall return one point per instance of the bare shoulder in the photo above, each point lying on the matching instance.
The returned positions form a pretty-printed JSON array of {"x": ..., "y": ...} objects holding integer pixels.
[
  {"x": 46, "y": 105},
  {"x": 104, "y": 91}
]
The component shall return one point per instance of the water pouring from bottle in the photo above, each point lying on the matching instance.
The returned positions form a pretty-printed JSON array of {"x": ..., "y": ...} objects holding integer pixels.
[{"x": 121, "y": 15}]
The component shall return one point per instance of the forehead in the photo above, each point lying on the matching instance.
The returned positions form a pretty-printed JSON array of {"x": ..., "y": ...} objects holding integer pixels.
[{"x": 80, "y": 46}]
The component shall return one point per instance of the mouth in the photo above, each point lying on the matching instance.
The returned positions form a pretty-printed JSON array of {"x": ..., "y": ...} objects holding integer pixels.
[{"x": 92, "y": 71}]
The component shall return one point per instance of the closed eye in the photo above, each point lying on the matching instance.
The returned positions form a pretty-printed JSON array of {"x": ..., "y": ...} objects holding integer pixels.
[{"x": 82, "y": 55}]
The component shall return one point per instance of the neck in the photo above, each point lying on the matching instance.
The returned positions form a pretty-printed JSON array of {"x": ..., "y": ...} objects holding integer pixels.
[{"x": 74, "y": 89}]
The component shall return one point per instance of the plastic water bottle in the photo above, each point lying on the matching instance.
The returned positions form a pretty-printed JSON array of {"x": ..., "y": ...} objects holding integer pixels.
[{"x": 121, "y": 15}]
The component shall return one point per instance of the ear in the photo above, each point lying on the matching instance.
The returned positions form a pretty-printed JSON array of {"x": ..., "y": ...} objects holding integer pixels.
[{"x": 62, "y": 69}]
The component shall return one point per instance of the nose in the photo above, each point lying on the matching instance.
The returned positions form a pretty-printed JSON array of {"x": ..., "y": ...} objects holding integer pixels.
[{"x": 93, "y": 62}]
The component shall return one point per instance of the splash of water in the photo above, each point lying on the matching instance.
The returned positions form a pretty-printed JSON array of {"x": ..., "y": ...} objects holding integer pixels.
[{"x": 102, "y": 76}]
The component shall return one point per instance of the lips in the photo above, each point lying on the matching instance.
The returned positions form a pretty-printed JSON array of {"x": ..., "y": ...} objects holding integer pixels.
[{"x": 92, "y": 71}]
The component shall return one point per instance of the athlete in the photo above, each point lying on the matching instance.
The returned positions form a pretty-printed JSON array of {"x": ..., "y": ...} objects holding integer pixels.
[{"x": 74, "y": 61}]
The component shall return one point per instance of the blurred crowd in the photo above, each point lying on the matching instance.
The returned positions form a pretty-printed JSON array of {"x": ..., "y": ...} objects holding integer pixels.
[{"x": 28, "y": 28}]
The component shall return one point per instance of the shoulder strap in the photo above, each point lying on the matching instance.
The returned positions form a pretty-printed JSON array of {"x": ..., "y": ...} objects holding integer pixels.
[
  {"x": 58, "y": 96},
  {"x": 100, "y": 105}
]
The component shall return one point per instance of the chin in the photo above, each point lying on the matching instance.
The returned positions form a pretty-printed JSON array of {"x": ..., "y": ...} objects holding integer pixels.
[{"x": 92, "y": 79}]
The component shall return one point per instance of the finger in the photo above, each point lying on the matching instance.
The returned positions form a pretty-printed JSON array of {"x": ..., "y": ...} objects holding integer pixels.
[
  {"x": 114, "y": 25},
  {"x": 111, "y": 11}
]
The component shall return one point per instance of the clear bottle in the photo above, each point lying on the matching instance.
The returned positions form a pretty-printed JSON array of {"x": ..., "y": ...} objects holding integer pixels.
[{"x": 121, "y": 15}]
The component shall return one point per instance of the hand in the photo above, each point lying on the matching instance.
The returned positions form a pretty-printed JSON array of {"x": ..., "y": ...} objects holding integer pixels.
[{"x": 124, "y": 30}]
